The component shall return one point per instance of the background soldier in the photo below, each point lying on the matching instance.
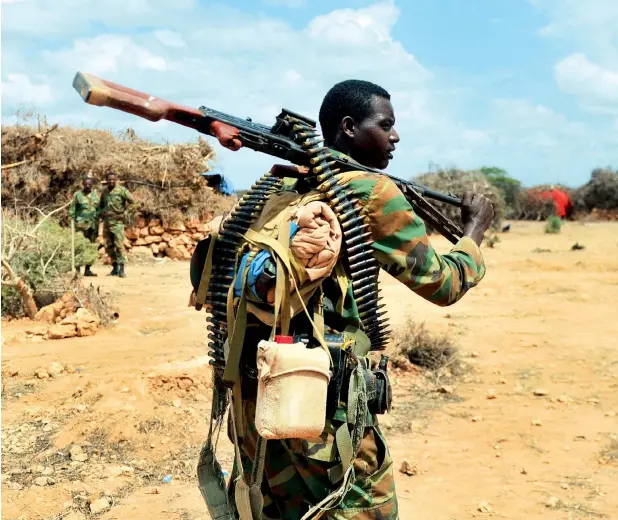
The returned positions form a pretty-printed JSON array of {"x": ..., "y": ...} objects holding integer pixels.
[
  {"x": 84, "y": 211},
  {"x": 115, "y": 200}
]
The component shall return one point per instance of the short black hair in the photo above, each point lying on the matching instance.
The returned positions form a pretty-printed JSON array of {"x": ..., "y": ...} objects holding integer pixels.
[{"x": 352, "y": 98}]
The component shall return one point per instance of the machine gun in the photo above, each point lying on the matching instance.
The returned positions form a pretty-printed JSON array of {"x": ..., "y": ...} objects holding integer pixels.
[{"x": 235, "y": 133}]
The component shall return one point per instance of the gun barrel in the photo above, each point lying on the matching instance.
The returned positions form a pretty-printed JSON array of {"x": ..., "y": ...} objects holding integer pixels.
[{"x": 441, "y": 197}]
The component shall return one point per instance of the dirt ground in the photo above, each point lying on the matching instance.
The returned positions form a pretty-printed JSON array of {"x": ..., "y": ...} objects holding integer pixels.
[{"x": 531, "y": 431}]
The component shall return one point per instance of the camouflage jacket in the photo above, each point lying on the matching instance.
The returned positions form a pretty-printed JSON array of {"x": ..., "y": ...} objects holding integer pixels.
[
  {"x": 114, "y": 203},
  {"x": 84, "y": 209},
  {"x": 403, "y": 249}
]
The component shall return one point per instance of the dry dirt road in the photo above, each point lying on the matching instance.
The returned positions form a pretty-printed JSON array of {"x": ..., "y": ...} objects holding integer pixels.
[{"x": 530, "y": 432}]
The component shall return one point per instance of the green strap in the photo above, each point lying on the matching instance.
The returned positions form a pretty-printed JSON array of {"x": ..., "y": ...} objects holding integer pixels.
[
  {"x": 241, "y": 490},
  {"x": 275, "y": 248},
  {"x": 342, "y": 281},
  {"x": 237, "y": 337},
  {"x": 202, "y": 289}
]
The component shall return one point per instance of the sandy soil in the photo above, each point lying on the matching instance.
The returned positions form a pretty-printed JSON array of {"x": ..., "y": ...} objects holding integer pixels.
[{"x": 133, "y": 404}]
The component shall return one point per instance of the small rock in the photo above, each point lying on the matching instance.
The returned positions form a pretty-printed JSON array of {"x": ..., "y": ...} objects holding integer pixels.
[
  {"x": 78, "y": 455},
  {"x": 126, "y": 470},
  {"x": 610, "y": 414},
  {"x": 48, "y": 471},
  {"x": 55, "y": 369},
  {"x": 43, "y": 481},
  {"x": 177, "y": 403},
  {"x": 62, "y": 330},
  {"x": 124, "y": 390},
  {"x": 98, "y": 506},
  {"x": 476, "y": 418},
  {"x": 491, "y": 394},
  {"x": 540, "y": 392},
  {"x": 552, "y": 502},
  {"x": 564, "y": 486},
  {"x": 536, "y": 422},
  {"x": 475, "y": 354},
  {"x": 408, "y": 469},
  {"x": 502, "y": 381},
  {"x": 15, "y": 486},
  {"x": 484, "y": 507},
  {"x": 37, "y": 468},
  {"x": 523, "y": 471},
  {"x": 446, "y": 389},
  {"x": 41, "y": 373}
]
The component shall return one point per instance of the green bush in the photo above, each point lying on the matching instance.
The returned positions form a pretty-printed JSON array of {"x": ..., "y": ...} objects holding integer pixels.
[
  {"x": 553, "y": 225},
  {"x": 41, "y": 256}
]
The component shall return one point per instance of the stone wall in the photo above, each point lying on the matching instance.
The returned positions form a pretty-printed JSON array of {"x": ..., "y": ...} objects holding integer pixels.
[{"x": 176, "y": 240}]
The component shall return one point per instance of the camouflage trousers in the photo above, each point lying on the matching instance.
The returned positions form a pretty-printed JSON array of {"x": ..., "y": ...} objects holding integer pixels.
[
  {"x": 296, "y": 474},
  {"x": 113, "y": 232},
  {"x": 90, "y": 233}
]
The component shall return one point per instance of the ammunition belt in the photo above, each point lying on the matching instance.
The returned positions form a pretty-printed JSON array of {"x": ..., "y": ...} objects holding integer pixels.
[
  {"x": 226, "y": 249},
  {"x": 363, "y": 266}
]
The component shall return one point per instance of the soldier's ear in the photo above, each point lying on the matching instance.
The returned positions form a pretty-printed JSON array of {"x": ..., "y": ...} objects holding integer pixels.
[{"x": 347, "y": 125}]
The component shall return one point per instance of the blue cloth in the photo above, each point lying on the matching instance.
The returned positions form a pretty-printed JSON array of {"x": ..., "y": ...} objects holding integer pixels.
[{"x": 255, "y": 269}]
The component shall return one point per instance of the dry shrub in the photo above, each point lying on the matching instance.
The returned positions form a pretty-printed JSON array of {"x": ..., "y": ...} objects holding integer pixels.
[
  {"x": 600, "y": 192},
  {"x": 50, "y": 164},
  {"x": 424, "y": 349},
  {"x": 531, "y": 206},
  {"x": 456, "y": 182},
  {"x": 610, "y": 452},
  {"x": 99, "y": 303}
]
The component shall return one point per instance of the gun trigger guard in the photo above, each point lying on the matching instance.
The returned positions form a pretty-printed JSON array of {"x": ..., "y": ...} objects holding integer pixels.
[{"x": 227, "y": 135}]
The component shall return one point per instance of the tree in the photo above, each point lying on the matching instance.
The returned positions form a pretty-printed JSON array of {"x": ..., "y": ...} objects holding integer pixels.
[
  {"x": 508, "y": 186},
  {"x": 37, "y": 252}
]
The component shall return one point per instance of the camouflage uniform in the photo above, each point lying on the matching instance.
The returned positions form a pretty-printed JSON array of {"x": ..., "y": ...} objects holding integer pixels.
[
  {"x": 296, "y": 471},
  {"x": 113, "y": 206},
  {"x": 84, "y": 210}
]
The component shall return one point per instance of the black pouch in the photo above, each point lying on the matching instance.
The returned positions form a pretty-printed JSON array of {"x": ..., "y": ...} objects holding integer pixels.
[{"x": 340, "y": 357}]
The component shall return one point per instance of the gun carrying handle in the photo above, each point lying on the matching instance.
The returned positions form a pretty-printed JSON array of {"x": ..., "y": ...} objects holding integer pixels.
[{"x": 103, "y": 93}]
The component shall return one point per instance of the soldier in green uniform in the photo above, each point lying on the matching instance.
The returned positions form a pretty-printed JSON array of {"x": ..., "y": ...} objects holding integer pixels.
[
  {"x": 358, "y": 121},
  {"x": 84, "y": 210},
  {"x": 115, "y": 200}
]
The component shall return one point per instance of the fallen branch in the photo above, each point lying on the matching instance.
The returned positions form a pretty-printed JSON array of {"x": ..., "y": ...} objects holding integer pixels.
[
  {"x": 15, "y": 164},
  {"x": 22, "y": 288}
]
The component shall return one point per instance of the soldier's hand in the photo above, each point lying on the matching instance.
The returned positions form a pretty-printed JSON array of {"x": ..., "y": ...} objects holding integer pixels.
[{"x": 477, "y": 214}]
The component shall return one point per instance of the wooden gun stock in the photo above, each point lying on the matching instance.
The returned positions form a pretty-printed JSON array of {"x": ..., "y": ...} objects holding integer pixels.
[{"x": 103, "y": 93}]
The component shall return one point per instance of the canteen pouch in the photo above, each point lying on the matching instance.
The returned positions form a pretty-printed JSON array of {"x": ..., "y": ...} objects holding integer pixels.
[{"x": 292, "y": 390}]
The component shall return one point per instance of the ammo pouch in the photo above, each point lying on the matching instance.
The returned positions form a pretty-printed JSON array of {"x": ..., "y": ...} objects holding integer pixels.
[{"x": 379, "y": 393}]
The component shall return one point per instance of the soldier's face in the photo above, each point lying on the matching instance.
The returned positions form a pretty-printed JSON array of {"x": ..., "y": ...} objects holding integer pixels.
[
  {"x": 374, "y": 138},
  {"x": 111, "y": 181},
  {"x": 87, "y": 186}
]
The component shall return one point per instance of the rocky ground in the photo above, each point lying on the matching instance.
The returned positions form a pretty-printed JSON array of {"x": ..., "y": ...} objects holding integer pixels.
[{"x": 110, "y": 425}]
